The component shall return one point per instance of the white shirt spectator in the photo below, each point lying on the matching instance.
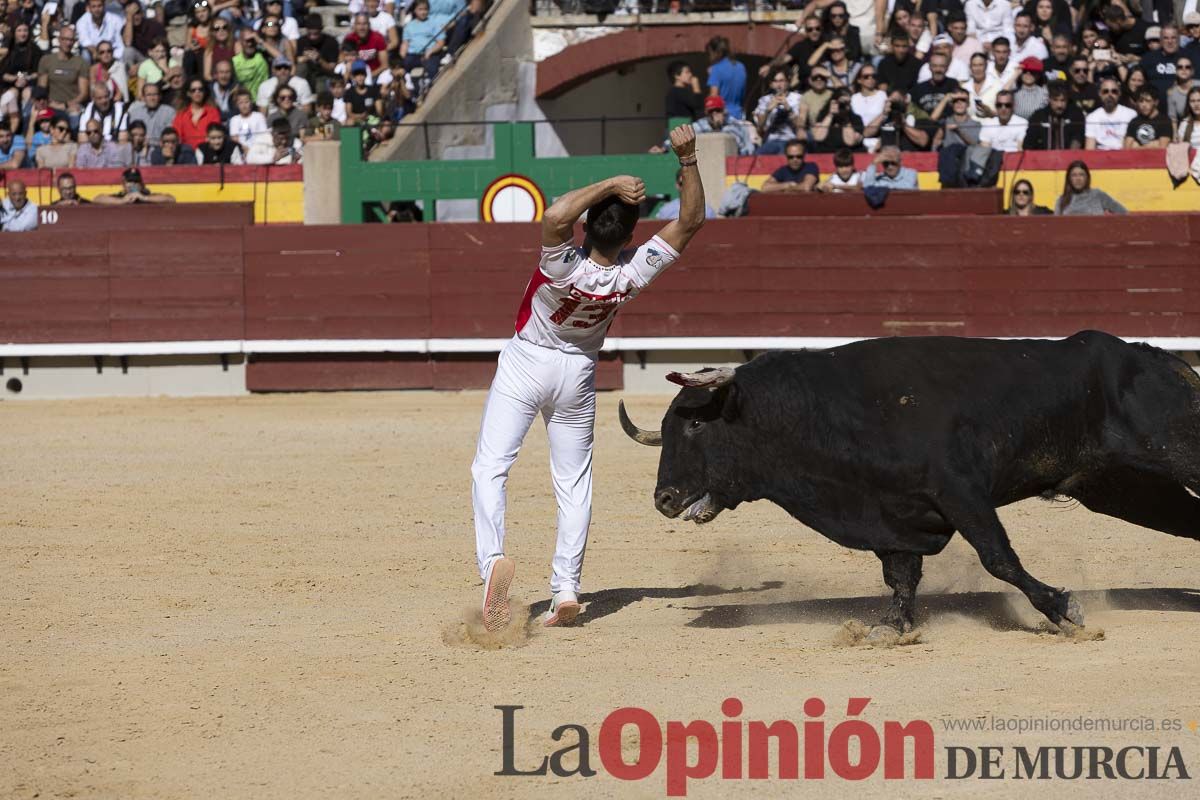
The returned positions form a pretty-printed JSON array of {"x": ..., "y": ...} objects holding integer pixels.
[
  {"x": 1182, "y": 131},
  {"x": 90, "y": 35},
  {"x": 839, "y": 185},
  {"x": 1033, "y": 47},
  {"x": 382, "y": 22},
  {"x": 986, "y": 95},
  {"x": 266, "y": 92},
  {"x": 1008, "y": 138},
  {"x": 339, "y": 109},
  {"x": 243, "y": 129},
  {"x": 262, "y": 151},
  {"x": 1109, "y": 129},
  {"x": 956, "y": 69},
  {"x": 986, "y": 22},
  {"x": 782, "y": 130},
  {"x": 868, "y": 108},
  {"x": 13, "y": 221},
  {"x": 1002, "y": 78},
  {"x": 112, "y": 123}
]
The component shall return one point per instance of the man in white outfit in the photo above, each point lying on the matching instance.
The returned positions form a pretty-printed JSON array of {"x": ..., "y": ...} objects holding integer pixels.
[{"x": 550, "y": 366}]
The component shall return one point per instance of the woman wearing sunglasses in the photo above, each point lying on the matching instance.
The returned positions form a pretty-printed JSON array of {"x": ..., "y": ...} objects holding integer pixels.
[
  {"x": 193, "y": 119},
  {"x": 1021, "y": 203},
  {"x": 220, "y": 47},
  {"x": 60, "y": 152}
]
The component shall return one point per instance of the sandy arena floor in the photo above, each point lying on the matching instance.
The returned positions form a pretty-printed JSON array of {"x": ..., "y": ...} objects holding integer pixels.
[{"x": 262, "y": 598}]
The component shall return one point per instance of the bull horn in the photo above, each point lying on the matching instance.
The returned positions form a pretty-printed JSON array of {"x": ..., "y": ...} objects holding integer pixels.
[
  {"x": 704, "y": 379},
  {"x": 651, "y": 438}
]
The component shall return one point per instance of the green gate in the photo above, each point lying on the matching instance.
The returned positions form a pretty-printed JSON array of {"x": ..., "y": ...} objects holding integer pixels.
[{"x": 366, "y": 183}]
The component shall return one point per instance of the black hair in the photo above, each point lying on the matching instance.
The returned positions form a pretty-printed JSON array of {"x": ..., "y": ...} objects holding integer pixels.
[
  {"x": 955, "y": 16},
  {"x": 281, "y": 125},
  {"x": 1058, "y": 89},
  {"x": 843, "y": 158},
  {"x": 793, "y": 142},
  {"x": 674, "y": 68},
  {"x": 610, "y": 223},
  {"x": 325, "y": 98},
  {"x": 214, "y": 126},
  {"x": 137, "y": 123},
  {"x": 313, "y": 21},
  {"x": 1001, "y": 40}
]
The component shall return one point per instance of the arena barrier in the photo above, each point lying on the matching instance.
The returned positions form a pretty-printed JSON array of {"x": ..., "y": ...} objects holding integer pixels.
[{"x": 428, "y": 306}]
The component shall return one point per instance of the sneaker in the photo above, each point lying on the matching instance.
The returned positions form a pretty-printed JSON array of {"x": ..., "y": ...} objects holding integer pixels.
[
  {"x": 495, "y": 594},
  {"x": 564, "y": 607}
]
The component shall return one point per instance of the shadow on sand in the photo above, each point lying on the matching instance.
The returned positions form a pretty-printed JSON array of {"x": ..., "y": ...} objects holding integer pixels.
[{"x": 999, "y": 610}]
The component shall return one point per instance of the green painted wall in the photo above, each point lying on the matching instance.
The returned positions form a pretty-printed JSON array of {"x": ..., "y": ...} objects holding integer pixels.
[{"x": 429, "y": 181}]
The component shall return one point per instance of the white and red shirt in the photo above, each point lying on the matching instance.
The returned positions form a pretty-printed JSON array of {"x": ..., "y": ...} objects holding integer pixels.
[{"x": 571, "y": 300}]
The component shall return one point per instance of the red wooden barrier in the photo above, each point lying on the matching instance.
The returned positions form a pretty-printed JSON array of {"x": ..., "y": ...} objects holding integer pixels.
[
  {"x": 147, "y": 216},
  {"x": 972, "y": 276}
]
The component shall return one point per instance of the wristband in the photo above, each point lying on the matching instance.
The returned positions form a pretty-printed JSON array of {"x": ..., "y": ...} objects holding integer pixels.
[{"x": 687, "y": 163}]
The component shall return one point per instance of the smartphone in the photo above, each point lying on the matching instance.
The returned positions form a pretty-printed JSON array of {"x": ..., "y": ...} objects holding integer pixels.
[{"x": 1102, "y": 55}]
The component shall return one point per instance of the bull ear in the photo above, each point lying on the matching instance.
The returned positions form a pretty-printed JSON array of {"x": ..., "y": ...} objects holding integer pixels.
[
  {"x": 711, "y": 379},
  {"x": 730, "y": 402}
]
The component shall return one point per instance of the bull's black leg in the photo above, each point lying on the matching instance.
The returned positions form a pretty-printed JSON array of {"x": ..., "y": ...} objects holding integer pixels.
[
  {"x": 980, "y": 526},
  {"x": 902, "y": 573}
]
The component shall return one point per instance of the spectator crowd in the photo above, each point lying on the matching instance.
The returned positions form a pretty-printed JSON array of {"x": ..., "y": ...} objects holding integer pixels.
[
  {"x": 90, "y": 84},
  {"x": 970, "y": 80}
]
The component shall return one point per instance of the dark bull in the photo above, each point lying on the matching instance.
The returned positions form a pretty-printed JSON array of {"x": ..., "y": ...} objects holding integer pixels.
[{"x": 892, "y": 445}]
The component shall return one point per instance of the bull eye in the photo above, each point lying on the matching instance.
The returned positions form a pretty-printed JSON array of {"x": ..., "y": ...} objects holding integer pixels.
[{"x": 696, "y": 424}]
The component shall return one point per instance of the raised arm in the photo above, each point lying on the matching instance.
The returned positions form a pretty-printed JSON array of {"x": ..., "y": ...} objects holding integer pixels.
[
  {"x": 679, "y": 232},
  {"x": 558, "y": 223}
]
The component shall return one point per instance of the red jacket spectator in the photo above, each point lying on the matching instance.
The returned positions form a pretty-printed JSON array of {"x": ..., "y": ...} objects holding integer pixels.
[{"x": 193, "y": 128}]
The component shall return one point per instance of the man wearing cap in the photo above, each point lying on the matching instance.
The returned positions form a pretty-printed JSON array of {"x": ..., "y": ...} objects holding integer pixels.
[
  {"x": 282, "y": 67},
  {"x": 372, "y": 47},
  {"x": 944, "y": 45},
  {"x": 1191, "y": 28},
  {"x": 1025, "y": 43},
  {"x": 251, "y": 65},
  {"x": 362, "y": 99},
  {"x": 17, "y": 214},
  {"x": 1160, "y": 64},
  {"x": 716, "y": 120},
  {"x": 133, "y": 190}
]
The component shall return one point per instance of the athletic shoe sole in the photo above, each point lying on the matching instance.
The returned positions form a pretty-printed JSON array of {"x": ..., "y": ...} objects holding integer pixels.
[
  {"x": 495, "y": 597},
  {"x": 564, "y": 614}
]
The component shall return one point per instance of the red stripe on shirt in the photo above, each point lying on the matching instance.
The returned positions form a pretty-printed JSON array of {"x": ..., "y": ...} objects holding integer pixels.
[{"x": 536, "y": 281}]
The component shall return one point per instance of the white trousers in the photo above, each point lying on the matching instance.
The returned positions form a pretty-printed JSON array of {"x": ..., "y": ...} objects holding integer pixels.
[{"x": 562, "y": 386}]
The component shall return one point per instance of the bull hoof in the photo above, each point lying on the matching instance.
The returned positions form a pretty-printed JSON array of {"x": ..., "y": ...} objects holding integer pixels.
[{"x": 883, "y": 634}]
